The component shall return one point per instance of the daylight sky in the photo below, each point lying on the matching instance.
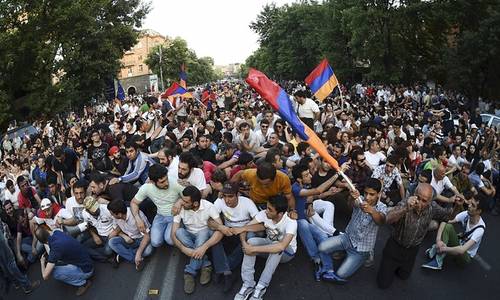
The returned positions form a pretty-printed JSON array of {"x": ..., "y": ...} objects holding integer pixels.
[{"x": 215, "y": 28}]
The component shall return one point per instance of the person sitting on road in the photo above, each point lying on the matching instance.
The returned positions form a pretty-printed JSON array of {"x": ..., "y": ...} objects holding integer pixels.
[
  {"x": 195, "y": 237},
  {"x": 279, "y": 245},
  {"x": 464, "y": 246},
  {"x": 126, "y": 240},
  {"x": 361, "y": 232},
  {"x": 236, "y": 211},
  {"x": 68, "y": 260},
  {"x": 164, "y": 193}
]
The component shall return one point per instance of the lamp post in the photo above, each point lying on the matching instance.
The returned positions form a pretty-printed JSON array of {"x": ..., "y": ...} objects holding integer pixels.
[{"x": 161, "y": 72}]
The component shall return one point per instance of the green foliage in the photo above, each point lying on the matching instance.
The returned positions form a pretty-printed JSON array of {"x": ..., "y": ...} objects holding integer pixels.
[
  {"x": 79, "y": 43},
  {"x": 454, "y": 43},
  {"x": 173, "y": 55}
]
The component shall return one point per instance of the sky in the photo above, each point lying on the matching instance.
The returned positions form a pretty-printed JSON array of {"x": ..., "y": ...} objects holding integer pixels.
[{"x": 216, "y": 28}]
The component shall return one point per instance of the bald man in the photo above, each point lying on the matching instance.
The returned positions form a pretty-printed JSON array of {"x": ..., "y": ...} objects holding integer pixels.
[
  {"x": 410, "y": 218},
  {"x": 439, "y": 183}
]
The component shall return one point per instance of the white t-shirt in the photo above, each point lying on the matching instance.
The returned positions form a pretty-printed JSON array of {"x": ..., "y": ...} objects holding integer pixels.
[
  {"x": 196, "y": 178},
  {"x": 238, "y": 216},
  {"x": 374, "y": 159},
  {"x": 63, "y": 214},
  {"x": 307, "y": 109},
  {"x": 439, "y": 186},
  {"x": 75, "y": 208},
  {"x": 12, "y": 197},
  {"x": 276, "y": 232},
  {"x": 476, "y": 236},
  {"x": 196, "y": 221},
  {"x": 103, "y": 223}
]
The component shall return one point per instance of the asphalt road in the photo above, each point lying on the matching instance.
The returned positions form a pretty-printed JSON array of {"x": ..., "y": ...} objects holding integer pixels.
[{"x": 163, "y": 272}]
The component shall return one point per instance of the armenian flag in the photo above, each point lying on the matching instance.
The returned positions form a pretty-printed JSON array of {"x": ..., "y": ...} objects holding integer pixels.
[
  {"x": 279, "y": 101},
  {"x": 176, "y": 90},
  {"x": 183, "y": 76},
  {"x": 322, "y": 80}
]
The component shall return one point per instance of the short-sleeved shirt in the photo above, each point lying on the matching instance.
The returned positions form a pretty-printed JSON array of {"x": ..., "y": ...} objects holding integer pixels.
[
  {"x": 362, "y": 229},
  {"x": 75, "y": 208},
  {"x": 129, "y": 227},
  {"x": 308, "y": 109},
  {"x": 388, "y": 179},
  {"x": 300, "y": 202},
  {"x": 276, "y": 232},
  {"x": 67, "y": 250},
  {"x": 476, "y": 236},
  {"x": 440, "y": 185},
  {"x": 259, "y": 193},
  {"x": 103, "y": 223},
  {"x": 24, "y": 201},
  {"x": 195, "y": 178},
  {"x": 164, "y": 199},
  {"x": 237, "y": 216},
  {"x": 473, "y": 177},
  {"x": 196, "y": 221}
]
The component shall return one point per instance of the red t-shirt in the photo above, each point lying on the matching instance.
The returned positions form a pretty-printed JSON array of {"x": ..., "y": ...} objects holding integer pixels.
[
  {"x": 208, "y": 170},
  {"x": 24, "y": 202},
  {"x": 55, "y": 210}
]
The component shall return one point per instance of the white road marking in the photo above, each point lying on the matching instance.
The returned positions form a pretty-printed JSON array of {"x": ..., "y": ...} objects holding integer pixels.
[
  {"x": 167, "y": 288},
  {"x": 147, "y": 275}
]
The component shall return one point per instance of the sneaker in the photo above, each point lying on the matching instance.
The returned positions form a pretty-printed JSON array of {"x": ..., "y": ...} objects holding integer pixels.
[
  {"x": 244, "y": 293},
  {"x": 205, "y": 276},
  {"x": 32, "y": 287},
  {"x": 433, "y": 265},
  {"x": 114, "y": 261},
  {"x": 431, "y": 252},
  {"x": 330, "y": 276},
  {"x": 81, "y": 290},
  {"x": 189, "y": 283},
  {"x": 317, "y": 272},
  {"x": 228, "y": 282},
  {"x": 258, "y": 294},
  {"x": 370, "y": 260}
]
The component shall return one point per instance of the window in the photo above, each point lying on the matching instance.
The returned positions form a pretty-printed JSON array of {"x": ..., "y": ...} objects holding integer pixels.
[
  {"x": 130, "y": 71},
  {"x": 140, "y": 68},
  {"x": 139, "y": 58}
]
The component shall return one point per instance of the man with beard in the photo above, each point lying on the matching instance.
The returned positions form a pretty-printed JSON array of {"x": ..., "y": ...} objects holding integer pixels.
[
  {"x": 119, "y": 163},
  {"x": 169, "y": 159},
  {"x": 27, "y": 198},
  {"x": 202, "y": 149},
  {"x": 188, "y": 174}
]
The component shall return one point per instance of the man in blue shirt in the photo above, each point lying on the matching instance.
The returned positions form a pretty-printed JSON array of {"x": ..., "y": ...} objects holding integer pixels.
[{"x": 68, "y": 259}]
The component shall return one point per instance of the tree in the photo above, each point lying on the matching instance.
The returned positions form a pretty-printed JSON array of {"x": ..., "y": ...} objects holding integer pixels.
[
  {"x": 56, "y": 53},
  {"x": 176, "y": 53}
]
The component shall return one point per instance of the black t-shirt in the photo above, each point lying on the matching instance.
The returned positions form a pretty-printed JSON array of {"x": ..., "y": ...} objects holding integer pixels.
[
  {"x": 318, "y": 180},
  {"x": 204, "y": 154},
  {"x": 120, "y": 191},
  {"x": 99, "y": 157},
  {"x": 68, "y": 165},
  {"x": 11, "y": 223}
]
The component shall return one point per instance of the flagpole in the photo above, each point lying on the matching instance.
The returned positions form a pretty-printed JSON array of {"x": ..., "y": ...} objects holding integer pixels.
[{"x": 341, "y": 97}]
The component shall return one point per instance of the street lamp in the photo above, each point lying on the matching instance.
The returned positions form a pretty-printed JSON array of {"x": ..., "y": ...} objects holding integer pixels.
[{"x": 161, "y": 72}]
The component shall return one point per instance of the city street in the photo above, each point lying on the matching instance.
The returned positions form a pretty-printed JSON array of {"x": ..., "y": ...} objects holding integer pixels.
[{"x": 294, "y": 280}]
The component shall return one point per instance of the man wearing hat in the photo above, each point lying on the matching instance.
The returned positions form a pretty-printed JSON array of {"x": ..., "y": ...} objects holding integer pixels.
[
  {"x": 52, "y": 214},
  {"x": 236, "y": 212},
  {"x": 99, "y": 221},
  {"x": 118, "y": 161}
]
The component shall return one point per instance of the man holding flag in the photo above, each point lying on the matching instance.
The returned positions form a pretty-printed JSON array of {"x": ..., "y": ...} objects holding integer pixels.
[{"x": 307, "y": 109}]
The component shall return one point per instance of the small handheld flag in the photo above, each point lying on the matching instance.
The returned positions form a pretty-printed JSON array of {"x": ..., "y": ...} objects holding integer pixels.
[
  {"x": 120, "y": 94},
  {"x": 322, "y": 81},
  {"x": 183, "y": 77}
]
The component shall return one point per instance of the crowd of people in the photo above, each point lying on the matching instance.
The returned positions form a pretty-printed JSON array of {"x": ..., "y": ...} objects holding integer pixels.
[{"x": 222, "y": 178}]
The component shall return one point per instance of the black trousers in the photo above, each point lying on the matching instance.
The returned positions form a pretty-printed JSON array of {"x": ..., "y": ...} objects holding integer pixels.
[
  {"x": 396, "y": 261},
  {"x": 309, "y": 122}
]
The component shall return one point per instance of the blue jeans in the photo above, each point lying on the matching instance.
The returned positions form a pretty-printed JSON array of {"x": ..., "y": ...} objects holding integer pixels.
[
  {"x": 311, "y": 236},
  {"x": 71, "y": 275},
  {"x": 128, "y": 251},
  {"x": 26, "y": 246},
  {"x": 194, "y": 241},
  {"x": 161, "y": 230},
  {"x": 8, "y": 261},
  {"x": 353, "y": 260},
  {"x": 100, "y": 253}
]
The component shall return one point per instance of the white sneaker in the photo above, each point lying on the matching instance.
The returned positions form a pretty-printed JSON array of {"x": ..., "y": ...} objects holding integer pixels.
[
  {"x": 244, "y": 293},
  {"x": 258, "y": 294}
]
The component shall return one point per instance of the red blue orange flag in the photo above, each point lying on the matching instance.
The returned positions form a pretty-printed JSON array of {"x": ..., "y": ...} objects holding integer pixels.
[
  {"x": 176, "y": 90},
  {"x": 183, "y": 77},
  {"x": 322, "y": 80},
  {"x": 279, "y": 101}
]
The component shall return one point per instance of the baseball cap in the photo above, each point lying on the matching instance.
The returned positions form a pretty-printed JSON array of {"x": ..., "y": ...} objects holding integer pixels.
[
  {"x": 45, "y": 204},
  {"x": 113, "y": 150},
  {"x": 473, "y": 126},
  {"x": 90, "y": 203},
  {"x": 230, "y": 188}
]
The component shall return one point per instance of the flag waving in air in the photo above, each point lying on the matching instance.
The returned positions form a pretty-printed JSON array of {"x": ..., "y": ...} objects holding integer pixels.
[
  {"x": 322, "y": 80},
  {"x": 120, "y": 95},
  {"x": 279, "y": 101},
  {"x": 183, "y": 77},
  {"x": 176, "y": 90}
]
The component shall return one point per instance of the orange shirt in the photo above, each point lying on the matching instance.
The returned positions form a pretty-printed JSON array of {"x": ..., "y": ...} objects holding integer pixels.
[{"x": 259, "y": 193}]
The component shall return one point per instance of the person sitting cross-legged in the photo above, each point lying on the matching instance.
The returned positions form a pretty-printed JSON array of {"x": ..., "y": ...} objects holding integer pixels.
[
  {"x": 463, "y": 247},
  {"x": 279, "y": 245},
  {"x": 361, "y": 232},
  {"x": 127, "y": 240},
  {"x": 195, "y": 238}
]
